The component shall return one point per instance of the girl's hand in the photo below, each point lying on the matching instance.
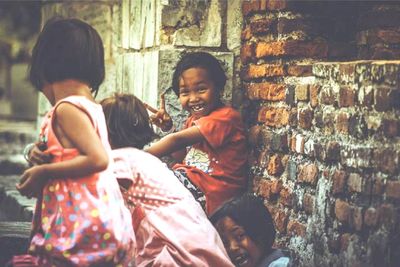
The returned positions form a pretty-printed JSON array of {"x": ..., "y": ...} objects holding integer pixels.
[
  {"x": 160, "y": 118},
  {"x": 36, "y": 155},
  {"x": 32, "y": 181}
]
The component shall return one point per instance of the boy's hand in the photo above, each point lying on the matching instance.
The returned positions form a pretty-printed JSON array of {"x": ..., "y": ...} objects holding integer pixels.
[
  {"x": 32, "y": 181},
  {"x": 36, "y": 155},
  {"x": 160, "y": 118}
]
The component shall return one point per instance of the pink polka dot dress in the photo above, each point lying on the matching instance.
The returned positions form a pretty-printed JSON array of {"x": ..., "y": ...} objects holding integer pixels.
[
  {"x": 81, "y": 221},
  {"x": 171, "y": 228}
]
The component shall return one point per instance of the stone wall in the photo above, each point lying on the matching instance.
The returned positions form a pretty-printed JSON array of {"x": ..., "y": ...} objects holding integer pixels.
[{"x": 324, "y": 128}]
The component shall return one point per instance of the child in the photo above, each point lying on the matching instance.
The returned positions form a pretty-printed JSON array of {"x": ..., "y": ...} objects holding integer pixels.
[
  {"x": 247, "y": 230},
  {"x": 80, "y": 217},
  {"x": 171, "y": 228},
  {"x": 212, "y": 144}
]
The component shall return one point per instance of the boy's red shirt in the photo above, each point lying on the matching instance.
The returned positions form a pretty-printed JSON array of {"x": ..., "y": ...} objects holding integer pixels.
[{"x": 218, "y": 166}]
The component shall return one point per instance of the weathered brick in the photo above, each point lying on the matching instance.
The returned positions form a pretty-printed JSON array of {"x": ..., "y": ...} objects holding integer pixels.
[
  {"x": 266, "y": 91},
  {"x": 339, "y": 180},
  {"x": 393, "y": 189},
  {"x": 332, "y": 152},
  {"x": 292, "y": 170},
  {"x": 312, "y": 49},
  {"x": 277, "y": 4},
  {"x": 358, "y": 126},
  {"x": 293, "y": 117},
  {"x": 356, "y": 156},
  {"x": 342, "y": 210},
  {"x": 254, "y": 135},
  {"x": 286, "y": 197},
  {"x": 339, "y": 50},
  {"x": 298, "y": 142},
  {"x": 383, "y": 53},
  {"x": 294, "y": 227},
  {"x": 262, "y": 26},
  {"x": 275, "y": 117},
  {"x": 327, "y": 96},
  {"x": 371, "y": 217},
  {"x": 246, "y": 34},
  {"x": 308, "y": 203},
  {"x": 299, "y": 70},
  {"x": 390, "y": 128},
  {"x": 387, "y": 215},
  {"x": 342, "y": 123},
  {"x": 314, "y": 91},
  {"x": 377, "y": 186},
  {"x": 264, "y": 70},
  {"x": 305, "y": 117},
  {"x": 379, "y": 19},
  {"x": 275, "y": 167},
  {"x": 355, "y": 183},
  {"x": 308, "y": 174},
  {"x": 281, "y": 218},
  {"x": 250, "y": 6},
  {"x": 346, "y": 97},
  {"x": 383, "y": 100},
  {"x": 356, "y": 218},
  {"x": 345, "y": 241},
  {"x": 386, "y": 159},
  {"x": 276, "y": 186},
  {"x": 347, "y": 72},
  {"x": 301, "y": 92},
  {"x": 247, "y": 53},
  {"x": 264, "y": 188},
  {"x": 366, "y": 96},
  {"x": 279, "y": 142},
  {"x": 286, "y": 25},
  {"x": 319, "y": 152}
]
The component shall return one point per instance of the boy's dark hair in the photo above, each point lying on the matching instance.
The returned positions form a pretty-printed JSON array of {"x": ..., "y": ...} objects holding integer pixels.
[
  {"x": 249, "y": 212},
  {"x": 200, "y": 60},
  {"x": 127, "y": 121},
  {"x": 67, "y": 49}
]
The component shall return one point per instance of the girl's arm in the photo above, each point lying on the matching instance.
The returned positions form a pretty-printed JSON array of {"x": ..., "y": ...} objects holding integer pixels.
[
  {"x": 176, "y": 142},
  {"x": 74, "y": 129}
]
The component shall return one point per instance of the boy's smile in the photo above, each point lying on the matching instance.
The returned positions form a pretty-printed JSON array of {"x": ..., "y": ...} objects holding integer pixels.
[
  {"x": 197, "y": 92},
  {"x": 243, "y": 251}
]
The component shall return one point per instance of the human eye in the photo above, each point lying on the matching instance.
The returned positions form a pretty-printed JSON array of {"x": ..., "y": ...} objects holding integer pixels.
[{"x": 183, "y": 92}]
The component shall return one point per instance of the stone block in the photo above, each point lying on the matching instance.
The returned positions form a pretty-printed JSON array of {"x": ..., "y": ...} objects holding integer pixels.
[
  {"x": 305, "y": 117},
  {"x": 308, "y": 174},
  {"x": 294, "y": 227},
  {"x": 355, "y": 182},
  {"x": 371, "y": 217},
  {"x": 332, "y": 152},
  {"x": 314, "y": 92},
  {"x": 356, "y": 156},
  {"x": 275, "y": 167},
  {"x": 308, "y": 203},
  {"x": 301, "y": 92},
  {"x": 386, "y": 159},
  {"x": 393, "y": 189},
  {"x": 286, "y": 197},
  {"x": 281, "y": 218},
  {"x": 342, "y": 210},
  {"x": 346, "y": 97},
  {"x": 339, "y": 178}
]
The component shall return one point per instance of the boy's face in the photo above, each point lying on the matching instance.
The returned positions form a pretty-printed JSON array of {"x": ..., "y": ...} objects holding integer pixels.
[
  {"x": 197, "y": 93},
  {"x": 243, "y": 251}
]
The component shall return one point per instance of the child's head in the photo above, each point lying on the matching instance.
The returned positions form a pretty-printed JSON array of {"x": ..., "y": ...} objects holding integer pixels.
[
  {"x": 67, "y": 49},
  {"x": 246, "y": 228},
  {"x": 198, "y": 81},
  {"x": 127, "y": 121}
]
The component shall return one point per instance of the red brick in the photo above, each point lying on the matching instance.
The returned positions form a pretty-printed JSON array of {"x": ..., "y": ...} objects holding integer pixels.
[
  {"x": 275, "y": 117},
  {"x": 355, "y": 218},
  {"x": 316, "y": 49},
  {"x": 263, "y": 71},
  {"x": 261, "y": 26},
  {"x": 355, "y": 183},
  {"x": 305, "y": 118},
  {"x": 281, "y": 218},
  {"x": 342, "y": 123},
  {"x": 296, "y": 228},
  {"x": 299, "y": 70},
  {"x": 266, "y": 91},
  {"x": 308, "y": 203},
  {"x": 246, "y": 53},
  {"x": 346, "y": 97},
  {"x": 314, "y": 91},
  {"x": 393, "y": 189},
  {"x": 264, "y": 188},
  {"x": 342, "y": 210},
  {"x": 301, "y": 92},
  {"x": 250, "y": 6},
  {"x": 332, "y": 152},
  {"x": 293, "y": 117},
  {"x": 286, "y": 197},
  {"x": 386, "y": 160},
  {"x": 327, "y": 96},
  {"x": 246, "y": 34},
  {"x": 371, "y": 217},
  {"x": 275, "y": 167},
  {"x": 390, "y": 128},
  {"x": 383, "y": 101},
  {"x": 339, "y": 181},
  {"x": 276, "y": 186},
  {"x": 308, "y": 174},
  {"x": 377, "y": 186},
  {"x": 286, "y": 25}
]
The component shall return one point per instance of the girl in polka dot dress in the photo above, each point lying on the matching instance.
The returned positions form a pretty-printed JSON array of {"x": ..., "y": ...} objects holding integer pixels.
[
  {"x": 170, "y": 226},
  {"x": 80, "y": 217}
]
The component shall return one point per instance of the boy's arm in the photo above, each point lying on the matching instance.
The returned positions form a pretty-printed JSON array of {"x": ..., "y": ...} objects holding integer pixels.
[
  {"x": 78, "y": 132},
  {"x": 176, "y": 142}
]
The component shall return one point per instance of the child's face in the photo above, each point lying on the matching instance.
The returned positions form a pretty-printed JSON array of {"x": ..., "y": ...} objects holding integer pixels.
[
  {"x": 197, "y": 93},
  {"x": 243, "y": 251}
]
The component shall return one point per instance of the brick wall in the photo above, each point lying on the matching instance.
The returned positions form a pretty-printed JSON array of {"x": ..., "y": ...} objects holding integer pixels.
[{"x": 324, "y": 126}]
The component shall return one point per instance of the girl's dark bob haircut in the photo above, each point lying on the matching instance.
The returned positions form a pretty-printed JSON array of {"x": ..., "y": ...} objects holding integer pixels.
[
  {"x": 249, "y": 212},
  {"x": 127, "y": 121},
  {"x": 67, "y": 49},
  {"x": 200, "y": 60}
]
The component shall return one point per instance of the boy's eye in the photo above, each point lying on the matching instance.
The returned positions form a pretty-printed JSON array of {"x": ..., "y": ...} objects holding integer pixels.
[{"x": 183, "y": 92}]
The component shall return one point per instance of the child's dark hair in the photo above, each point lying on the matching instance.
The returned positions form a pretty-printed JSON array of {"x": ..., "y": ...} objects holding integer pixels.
[
  {"x": 68, "y": 49},
  {"x": 249, "y": 212},
  {"x": 127, "y": 121},
  {"x": 200, "y": 60}
]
